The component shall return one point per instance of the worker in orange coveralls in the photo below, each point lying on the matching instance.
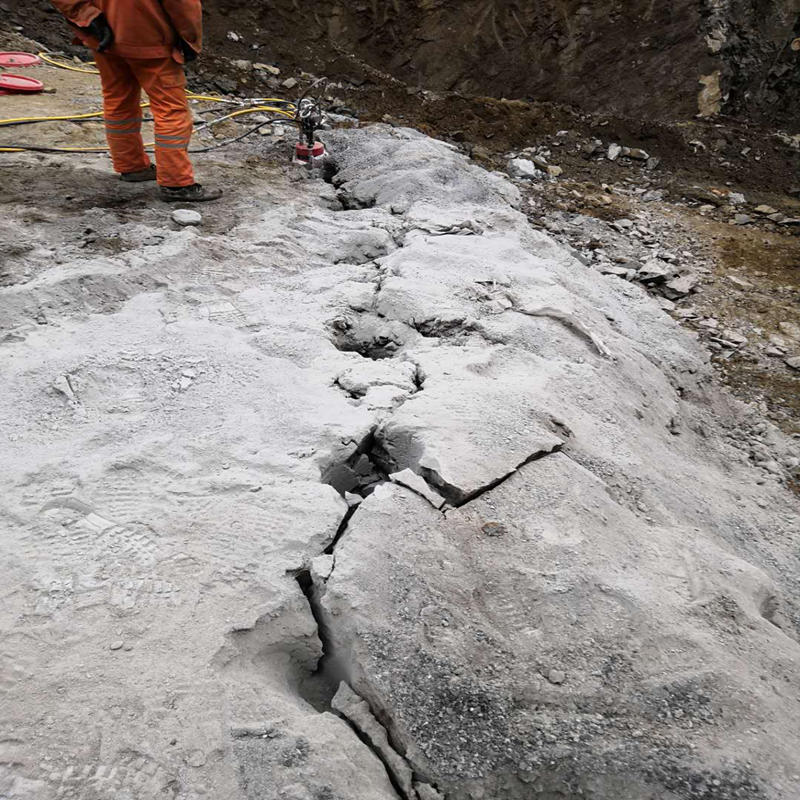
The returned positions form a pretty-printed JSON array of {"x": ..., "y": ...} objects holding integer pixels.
[{"x": 143, "y": 44}]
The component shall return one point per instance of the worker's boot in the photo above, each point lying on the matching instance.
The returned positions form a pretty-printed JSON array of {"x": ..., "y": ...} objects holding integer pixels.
[
  {"x": 195, "y": 193},
  {"x": 140, "y": 176}
]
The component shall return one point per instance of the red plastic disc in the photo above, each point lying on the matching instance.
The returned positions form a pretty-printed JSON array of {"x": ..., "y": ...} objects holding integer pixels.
[
  {"x": 11, "y": 59},
  {"x": 12, "y": 84}
]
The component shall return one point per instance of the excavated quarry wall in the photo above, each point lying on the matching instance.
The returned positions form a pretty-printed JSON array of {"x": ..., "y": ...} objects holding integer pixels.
[{"x": 638, "y": 58}]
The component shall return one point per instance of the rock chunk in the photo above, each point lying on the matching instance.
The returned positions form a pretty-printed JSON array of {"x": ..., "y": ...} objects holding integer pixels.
[
  {"x": 522, "y": 168},
  {"x": 357, "y": 711},
  {"x": 186, "y": 217}
]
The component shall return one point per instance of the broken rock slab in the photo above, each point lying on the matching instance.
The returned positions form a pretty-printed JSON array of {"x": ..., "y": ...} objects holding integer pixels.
[
  {"x": 448, "y": 631},
  {"x": 358, "y": 713}
]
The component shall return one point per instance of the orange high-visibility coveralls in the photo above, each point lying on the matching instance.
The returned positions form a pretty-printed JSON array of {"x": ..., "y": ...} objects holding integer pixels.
[{"x": 145, "y": 55}]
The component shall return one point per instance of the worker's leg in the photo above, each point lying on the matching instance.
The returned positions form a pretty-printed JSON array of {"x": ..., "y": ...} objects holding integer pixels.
[
  {"x": 123, "y": 113},
  {"x": 165, "y": 84}
]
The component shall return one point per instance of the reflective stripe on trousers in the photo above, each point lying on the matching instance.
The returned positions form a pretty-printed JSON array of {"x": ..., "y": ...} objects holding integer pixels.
[{"x": 163, "y": 80}]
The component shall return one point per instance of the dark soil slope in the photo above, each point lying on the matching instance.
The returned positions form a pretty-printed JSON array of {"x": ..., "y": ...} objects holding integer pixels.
[{"x": 638, "y": 58}]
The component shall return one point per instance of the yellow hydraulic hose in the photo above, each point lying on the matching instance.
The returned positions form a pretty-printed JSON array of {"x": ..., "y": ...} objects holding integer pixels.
[
  {"x": 46, "y": 57},
  {"x": 272, "y": 105}
]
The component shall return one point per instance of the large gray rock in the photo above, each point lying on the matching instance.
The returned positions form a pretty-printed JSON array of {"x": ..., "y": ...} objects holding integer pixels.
[{"x": 175, "y": 569}]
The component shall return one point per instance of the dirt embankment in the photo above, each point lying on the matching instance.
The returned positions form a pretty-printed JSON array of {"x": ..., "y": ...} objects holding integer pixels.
[{"x": 639, "y": 58}]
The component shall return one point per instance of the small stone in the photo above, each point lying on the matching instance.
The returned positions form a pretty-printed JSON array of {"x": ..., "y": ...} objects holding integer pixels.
[
  {"x": 622, "y": 224},
  {"x": 774, "y": 352},
  {"x": 735, "y": 337},
  {"x": 639, "y": 155},
  {"x": 522, "y": 168},
  {"x": 790, "y": 329},
  {"x": 742, "y": 219},
  {"x": 740, "y": 282},
  {"x": 196, "y": 758},
  {"x": 610, "y": 269},
  {"x": 554, "y": 171},
  {"x": 267, "y": 68},
  {"x": 185, "y": 217},
  {"x": 613, "y": 152},
  {"x": 353, "y": 499},
  {"x": 736, "y": 199},
  {"x": 289, "y": 83},
  {"x": 793, "y": 363},
  {"x": 654, "y": 271},
  {"x": 494, "y": 529},
  {"x": 117, "y": 645},
  {"x": 765, "y": 210},
  {"x": 234, "y": 37},
  {"x": 426, "y": 792},
  {"x": 680, "y": 286},
  {"x": 556, "y": 676}
]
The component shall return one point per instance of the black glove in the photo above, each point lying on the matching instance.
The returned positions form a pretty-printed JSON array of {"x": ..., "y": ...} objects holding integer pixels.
[
  {"x": 101, "y": 30},
  {"x": 189, "y": 54}
]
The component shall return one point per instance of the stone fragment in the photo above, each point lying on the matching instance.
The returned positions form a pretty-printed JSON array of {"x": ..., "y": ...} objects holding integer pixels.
[
  {"x": 554, "y": 171},
  {"x": 418, "y": 484},
  {"x": 242, "y": 64},
  {"x": 734, "y": 336},
  {"x": 613, "y": 152},
  {"x": 765, "y": 210},
  {"x": 740, "y": 282},
  {"x": 790, "y": 329},
  {"x": 494, "y": 529},
  {"x": 742, "y": 219},
  {"x": 654, "y": 271},
  {"x": 736, "y": 199},
  {"x": 620, "y": 272},
  {"x": 793, "y": 363},
  {"x": 368, "y": 374},
  {"x": 234, "y": 37},
  {"x": 62, "y": 385},
  {"x": 556, "y": 676},
  {"x": 272, "y": 70},
  {"x": 709, "y": 99},
  {"x": 357, "y": 711},
  {"x": 116, "y": 645},
  {"x": 426, "y": 792},
  {"x": 289, "y": 83},
  {"x": 638, "y": 154},
  {"x": 322, "y": 567},
  {"x": 186, "y": 217},
  {"x": 681, "y": 286},
  {"x": 522, "y": 168}
]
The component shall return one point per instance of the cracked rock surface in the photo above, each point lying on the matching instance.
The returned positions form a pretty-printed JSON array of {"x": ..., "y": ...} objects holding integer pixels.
[{"x": 568, "y": 588}]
